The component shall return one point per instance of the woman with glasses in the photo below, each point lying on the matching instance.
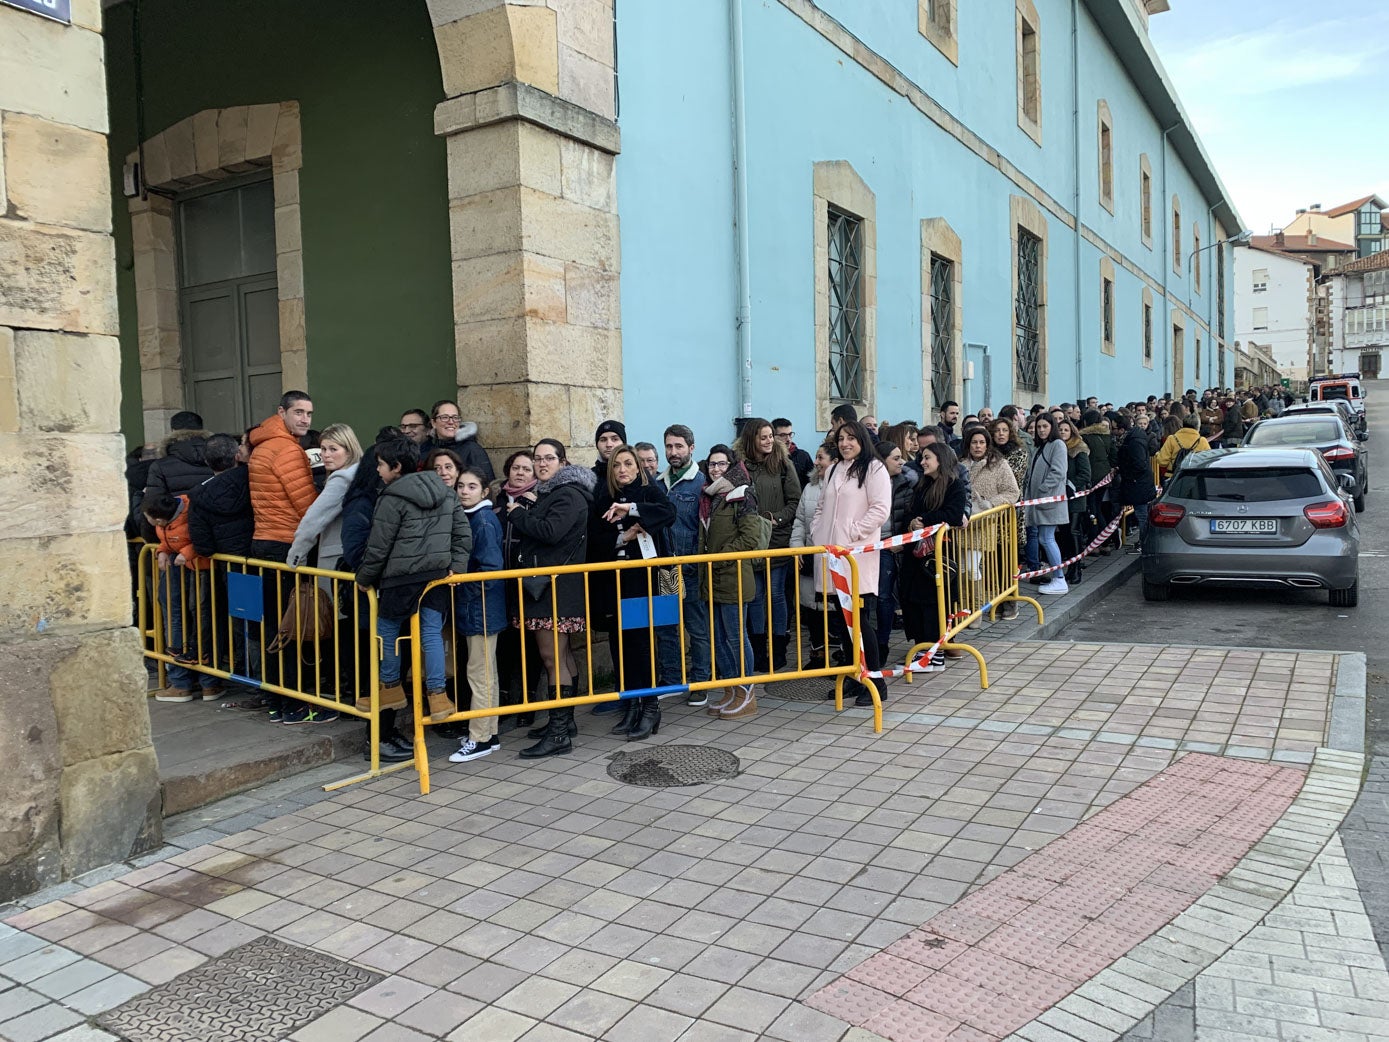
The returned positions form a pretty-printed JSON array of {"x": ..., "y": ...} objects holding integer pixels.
[
  {"x": 554, "y": 532},
  {"x": 519, "y": 482},
  {"x": 729, "y": 522},
  {"x": 451, "y": 431}
]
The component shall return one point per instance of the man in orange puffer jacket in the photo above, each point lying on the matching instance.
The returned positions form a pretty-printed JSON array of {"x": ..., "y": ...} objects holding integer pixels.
[{"x": 282, "y": 490}]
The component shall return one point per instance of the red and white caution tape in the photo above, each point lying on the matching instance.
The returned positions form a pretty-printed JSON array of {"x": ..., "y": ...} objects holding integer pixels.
[
  {"x": 1063, "y": 498},
  {"x": 1099, "y": 540}
]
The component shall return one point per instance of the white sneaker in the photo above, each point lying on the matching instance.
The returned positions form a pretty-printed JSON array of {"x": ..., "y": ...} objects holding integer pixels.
[
  {"x": 1055, "y": 588},
  {"x": 471, "y": 750},
  {"x": 937, "y": 663}
]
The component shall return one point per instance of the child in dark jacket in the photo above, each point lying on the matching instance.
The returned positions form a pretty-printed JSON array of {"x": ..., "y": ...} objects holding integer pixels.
[
  {"x": 185, "y": 598},
  {"x": 481, "y": 613},
  {"x": 419, "y": 533}
]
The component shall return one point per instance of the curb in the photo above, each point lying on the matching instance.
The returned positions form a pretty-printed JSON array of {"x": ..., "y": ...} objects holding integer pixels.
[
  {"x": 1067, "y": 609},
  {"x": 1346, "y": 728},
  {"x": 1112, "y": 1002}
]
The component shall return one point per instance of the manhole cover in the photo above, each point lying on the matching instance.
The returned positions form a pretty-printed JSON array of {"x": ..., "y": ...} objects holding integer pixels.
[
  {"x": 663, "y": 766},
  {"x": 262, "y": 991}
]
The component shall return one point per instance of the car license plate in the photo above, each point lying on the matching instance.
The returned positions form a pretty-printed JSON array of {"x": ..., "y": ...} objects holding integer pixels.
[{"x": 1244, "y": 526}]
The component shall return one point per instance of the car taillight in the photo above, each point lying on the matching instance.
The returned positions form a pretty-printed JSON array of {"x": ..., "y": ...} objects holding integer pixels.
[
  {"x": 1325, "y": 515},
  {"x": 1165, "y": 515},
  {"x": 1337, "y": 454}
]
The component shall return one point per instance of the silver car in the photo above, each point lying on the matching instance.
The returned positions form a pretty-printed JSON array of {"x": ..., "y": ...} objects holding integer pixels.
[{"x": 1264, "y": 517}]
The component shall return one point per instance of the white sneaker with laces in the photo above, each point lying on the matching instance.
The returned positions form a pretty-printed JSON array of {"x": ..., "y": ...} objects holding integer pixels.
[
  {"x": 937, "y": 663},
  {"x": 1054, "y": 588},
  {"x": 471, "y": 750}
]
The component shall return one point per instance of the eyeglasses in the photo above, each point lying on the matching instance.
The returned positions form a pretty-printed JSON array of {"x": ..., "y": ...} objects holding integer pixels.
[
  {"x": 786, "y": 435},
  {"x": 448, "y": 421},
  {"x": 714, "y": 465},
  {"x": 546, "y": 459}
]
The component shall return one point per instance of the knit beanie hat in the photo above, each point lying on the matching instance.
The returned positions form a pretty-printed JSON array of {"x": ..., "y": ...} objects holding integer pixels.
[{"x": 611, "y": 427}]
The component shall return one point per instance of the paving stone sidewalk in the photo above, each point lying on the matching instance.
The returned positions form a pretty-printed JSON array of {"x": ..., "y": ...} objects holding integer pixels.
[{"x": 546, "y": 900}]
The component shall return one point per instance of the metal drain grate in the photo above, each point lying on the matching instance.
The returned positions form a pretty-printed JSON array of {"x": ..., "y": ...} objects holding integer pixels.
[
  {"x": 263, "y": 991},
  {"x": 663, "y": 766}
]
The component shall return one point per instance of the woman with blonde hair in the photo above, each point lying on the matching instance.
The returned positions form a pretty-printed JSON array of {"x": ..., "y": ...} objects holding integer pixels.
[{"x": 321, "y": 525}]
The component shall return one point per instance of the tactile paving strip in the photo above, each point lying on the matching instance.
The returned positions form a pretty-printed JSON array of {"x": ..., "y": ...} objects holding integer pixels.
[
  {"x": 664, "y": 766},
  {"x": 261, "y": 992},
  {"x": 1031, "y": 936}
]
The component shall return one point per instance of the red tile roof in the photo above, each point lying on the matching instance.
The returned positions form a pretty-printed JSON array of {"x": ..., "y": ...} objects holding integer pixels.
[
  {"x": 1374, "y": 262},
  {"x": 1299, "y": 244},
  {"x": 1346, "y": 208}
]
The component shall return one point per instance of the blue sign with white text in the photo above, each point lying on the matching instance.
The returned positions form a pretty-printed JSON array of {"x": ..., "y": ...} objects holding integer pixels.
[{"x": 58, "y": 10}]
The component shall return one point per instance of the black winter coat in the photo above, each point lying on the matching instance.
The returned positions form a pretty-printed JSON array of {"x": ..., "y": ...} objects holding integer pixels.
[
  {"x": 182, "y": 467},
  {"x": 916, "y": 575},
  {"x": 1135, "y": 470},
  {"x": 656, "y": 514},
  {"x": 554, "y": 531},
  {"x": 220, "y": 519},
  {"x": 419, "y": 532}
]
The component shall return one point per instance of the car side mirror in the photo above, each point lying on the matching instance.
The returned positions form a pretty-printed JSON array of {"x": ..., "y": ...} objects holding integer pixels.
[{"x": 1347, "y": 482}]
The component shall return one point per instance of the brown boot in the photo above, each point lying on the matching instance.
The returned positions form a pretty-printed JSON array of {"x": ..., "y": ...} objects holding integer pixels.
[
  {"x": 392, "y": 697},
  {"x": 743, "y": 703},
  {"x": 440, "y": 706},
  {"x": 718, "y": 698}
]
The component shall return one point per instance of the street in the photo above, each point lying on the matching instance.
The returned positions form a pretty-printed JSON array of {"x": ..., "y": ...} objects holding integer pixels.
[{"x": 1288, "y": 618}]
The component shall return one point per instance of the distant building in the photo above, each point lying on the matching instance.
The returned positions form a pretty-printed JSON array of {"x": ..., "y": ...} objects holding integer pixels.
[
  {"x": 1254, "y": 366},
  {"x": 1360, "y": 221},
  {"x": 1278, "y": 301},
  {"x": 1358, "y": 301}
]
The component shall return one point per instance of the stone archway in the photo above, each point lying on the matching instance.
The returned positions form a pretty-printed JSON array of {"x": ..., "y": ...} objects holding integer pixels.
[
  {"x": 532, "y": 142},
  {"x": 206, "y": 147}
]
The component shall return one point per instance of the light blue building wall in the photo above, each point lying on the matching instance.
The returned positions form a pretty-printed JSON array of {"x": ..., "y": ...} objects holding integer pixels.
[{"x": 813, "y": 94}]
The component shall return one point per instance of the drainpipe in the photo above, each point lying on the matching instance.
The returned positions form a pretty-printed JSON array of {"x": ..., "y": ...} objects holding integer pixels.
[
  {"x": 743, "y": 318},
  {"x": 1167, "y": 265},
  {"x": 1075, "y": 127},
  {"x": 1212, "y": 343}
]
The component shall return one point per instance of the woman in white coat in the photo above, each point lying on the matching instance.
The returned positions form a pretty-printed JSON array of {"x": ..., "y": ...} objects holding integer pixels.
[{"x": 855, "y": 500}]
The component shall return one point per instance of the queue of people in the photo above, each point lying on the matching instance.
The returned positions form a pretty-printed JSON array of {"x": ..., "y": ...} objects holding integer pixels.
[{"x": 421, "y": 503}]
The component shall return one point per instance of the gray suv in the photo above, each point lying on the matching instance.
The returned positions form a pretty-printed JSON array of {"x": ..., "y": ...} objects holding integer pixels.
[{"x": 1263, "y": 517}]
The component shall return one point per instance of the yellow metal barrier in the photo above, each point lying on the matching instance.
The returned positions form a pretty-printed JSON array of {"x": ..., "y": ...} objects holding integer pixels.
[
  {"x": 976, "y": 572},
  {"x": 196, "y": 623},
  {"x": 634, "y": 643}
]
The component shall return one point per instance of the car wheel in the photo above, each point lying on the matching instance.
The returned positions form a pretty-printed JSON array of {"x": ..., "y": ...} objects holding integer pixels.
[
  {"x": 1156, "y": 591},
  {"x": 1360, "y": 503},
  {"x": 1347, "y": 598}
]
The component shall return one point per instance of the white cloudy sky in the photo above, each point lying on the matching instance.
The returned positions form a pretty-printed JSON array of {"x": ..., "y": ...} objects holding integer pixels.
[{"x": 1291, "y": 108}]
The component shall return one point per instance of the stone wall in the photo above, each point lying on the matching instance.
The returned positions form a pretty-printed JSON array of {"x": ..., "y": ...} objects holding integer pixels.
[
  {"x": 80, "y": 786},
  {"x": 532, "y": 144}
]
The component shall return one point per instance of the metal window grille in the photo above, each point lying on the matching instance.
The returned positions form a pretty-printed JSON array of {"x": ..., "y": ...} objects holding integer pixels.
[
  {"x": 846, "y": 306},
  {"x": 1147, "y": 332},
  {"x": 1107, "y": 311},
  {"x": 942, "y": 329},
  {"x": 1027, "y": 313}
]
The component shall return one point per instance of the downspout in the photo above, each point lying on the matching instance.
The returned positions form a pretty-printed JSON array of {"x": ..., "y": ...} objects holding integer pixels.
[
  {"x": 1167, "y": 267},
  {"x": 1212, "y": 343},
  {"x": 1075, "y": 127},
  {"x": 743, "y": 318}
]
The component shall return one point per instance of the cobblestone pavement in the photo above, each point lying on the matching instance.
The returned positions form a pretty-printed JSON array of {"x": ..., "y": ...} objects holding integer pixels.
[{"x": 545, "y": 900}]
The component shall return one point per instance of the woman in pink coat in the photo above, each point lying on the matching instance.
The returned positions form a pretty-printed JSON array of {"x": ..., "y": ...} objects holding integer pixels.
[{"x": 855, "y": 500}]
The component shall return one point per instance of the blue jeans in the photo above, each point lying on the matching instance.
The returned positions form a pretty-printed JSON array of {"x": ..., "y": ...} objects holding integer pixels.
[
  {"x": 1140, "y": 511},
  {"x": 757, "y": 609},
  {"x": 431, "y": 646},
  {"x": 726, "y": 634},
  {"x": 887, "y": 596},
  {"x": 177, "y": 587},
  {"x": 668, "y": 642},
  {"x": 1045, "y": 537}
]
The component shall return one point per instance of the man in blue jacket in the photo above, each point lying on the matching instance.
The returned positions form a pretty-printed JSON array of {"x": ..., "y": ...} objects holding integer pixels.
[{"x": 683, "y": 482}]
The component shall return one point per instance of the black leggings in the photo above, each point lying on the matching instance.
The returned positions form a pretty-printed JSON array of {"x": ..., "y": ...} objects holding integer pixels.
[{"x": 868, "y": 617}]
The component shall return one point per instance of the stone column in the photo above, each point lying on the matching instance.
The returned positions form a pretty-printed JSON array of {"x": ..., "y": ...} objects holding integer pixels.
[
  {"x": 80, "y": 785},
  {"x": 533, "y": 214}
]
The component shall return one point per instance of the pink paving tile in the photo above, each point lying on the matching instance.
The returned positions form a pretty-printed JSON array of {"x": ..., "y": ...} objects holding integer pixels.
[
  {"x": 1068, "y": 910},
  {"x": 905, "y": 1021},
  {"x": 850, "y": 1000},
  {"x": 890, "y": 973}
]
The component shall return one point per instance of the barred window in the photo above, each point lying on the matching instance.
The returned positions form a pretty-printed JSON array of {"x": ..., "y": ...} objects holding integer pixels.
[
  {"x": 1148, "y": 333},
  {"x": 1027, "y": 313},
  {"x": 1220, "y": 291},
  {"x": 942, "y": 329},
  {"x": 1107, "y": 311},
  {"x": 846, "y": 306}
]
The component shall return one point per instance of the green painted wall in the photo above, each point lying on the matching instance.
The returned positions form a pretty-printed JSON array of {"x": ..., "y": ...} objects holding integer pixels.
[{"x": 373, "y": 188}]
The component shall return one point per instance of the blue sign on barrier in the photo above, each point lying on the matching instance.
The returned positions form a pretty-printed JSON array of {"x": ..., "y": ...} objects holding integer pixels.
[
  {"x": 244, "y": 597},
  {"x": 58, "y": 10},
  {"x": 665, "y": 611}
]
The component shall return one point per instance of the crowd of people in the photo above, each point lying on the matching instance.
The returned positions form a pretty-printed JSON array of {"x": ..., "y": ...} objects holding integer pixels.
[{"x": 422, "y": 502}]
